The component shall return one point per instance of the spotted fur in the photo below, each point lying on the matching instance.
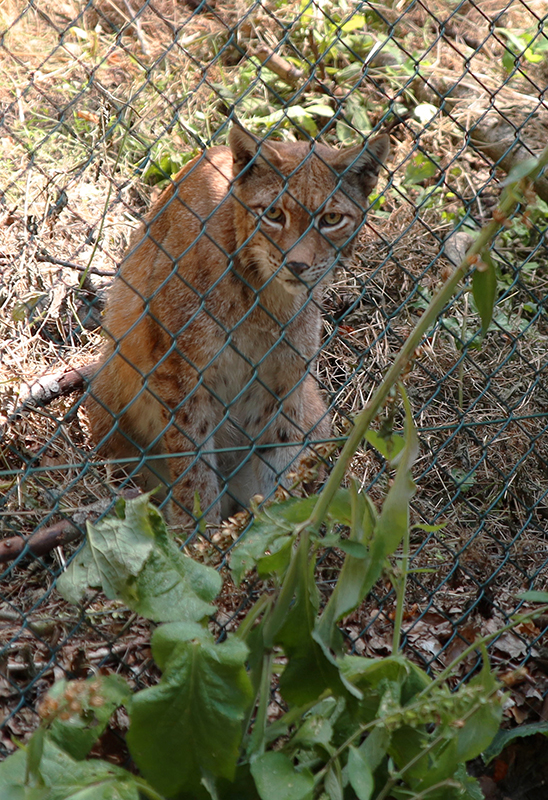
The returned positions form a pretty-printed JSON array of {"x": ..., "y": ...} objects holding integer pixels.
[{"x": 213, "y": 323}]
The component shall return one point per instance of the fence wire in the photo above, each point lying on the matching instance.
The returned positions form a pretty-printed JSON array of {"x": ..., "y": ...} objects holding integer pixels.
[{"x": 101, "y": 104}]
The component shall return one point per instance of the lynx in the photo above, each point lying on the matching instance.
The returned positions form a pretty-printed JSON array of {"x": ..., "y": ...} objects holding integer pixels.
[{"x": 213, "y": 323}]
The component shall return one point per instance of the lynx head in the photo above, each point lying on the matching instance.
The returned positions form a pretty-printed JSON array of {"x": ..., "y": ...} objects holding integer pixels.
[{"x": 298, "y": 206}]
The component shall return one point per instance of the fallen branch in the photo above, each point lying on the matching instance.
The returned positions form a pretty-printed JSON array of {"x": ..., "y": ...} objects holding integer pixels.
[
  {"x": 67, "y": 530},
  {"x": 277, "y": 64},
  {"x": 500, "y": 145},
  {"x": 42, "y": 256},
  {"x": 498, "y": 140},
  {"x": 49, "y": 387}
]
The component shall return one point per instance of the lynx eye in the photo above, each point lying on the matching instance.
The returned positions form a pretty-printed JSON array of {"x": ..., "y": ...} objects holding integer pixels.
[
  {"x": 330, "y": 219},
  {"x": 275, "y": 215}
]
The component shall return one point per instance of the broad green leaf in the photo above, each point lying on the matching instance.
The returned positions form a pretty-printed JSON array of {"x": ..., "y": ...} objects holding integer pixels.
[
  {"x": 388, "y": 446},
  {"x": 382, "y": 535},
  {"x": 277, "y": 779},
  {"x": 172, "y": 586},
  {"x": 272, "y": 532},
  {"x": 470, "y": 790},
  {"x": 309, "y": 670},
  {"x": 277, "y": 561},
  {"x": 348, "y": 592},
  {"x": 482, "y": 726},
  {"x": 269, "y": 526},
  {"x": 504, "y": 738},
  {"x": 408, "y": 749},
  {"x": 333, "y": 782},
  {"x": 419, "y": 169},
  {"x": 115, "y": 552},
  {"x": 356, "y": 22},
  {"x": 134, "y": 558},
  {"x": 190, "y": 724},
  {"x": 484, "y": 289},
  {"x": 66, "y": 779},
  {"x": 468, "y": 723},
  {"x": 359, "y": 774},
  {"x": 320, "y": 109},
  {"x": 355, "y": 549},
  {"x": 375, "y": 747},
  {"x": 315, "y": 729},
  {"x": 371, "y": 671},
  {"x": 35, "y": 749},
  {"x": 77, "y": 735},
  {"x": 329, "y": 709}
]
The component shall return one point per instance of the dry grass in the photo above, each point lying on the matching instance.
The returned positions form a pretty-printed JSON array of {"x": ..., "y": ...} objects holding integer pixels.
[{"x": 81, "y": 112}]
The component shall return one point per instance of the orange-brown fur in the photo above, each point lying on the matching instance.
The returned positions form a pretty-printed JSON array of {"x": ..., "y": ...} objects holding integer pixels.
[{"x": 213, "y": 322}]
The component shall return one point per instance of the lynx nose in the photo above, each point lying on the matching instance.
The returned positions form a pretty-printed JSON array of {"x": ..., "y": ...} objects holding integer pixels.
[{"x": 297, "y": 267}]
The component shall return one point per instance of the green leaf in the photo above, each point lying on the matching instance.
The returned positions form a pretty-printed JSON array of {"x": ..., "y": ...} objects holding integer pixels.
[
  {"x": 277, "y": 779},
  {"x": 333, "y": 781},
  {"x": 382, "y": 534},
  {"x": 135, "y": 559},
  {"x": 172, "y": 586},
  {"x": 393, "y": 519},
  {"x": 374, "y": 749},
  {"x": 77, "y": 735},
  {"x": 355, "y": 549},
  {"x": 35, "y": 749},
  {"x": 508, "y": 60},
  {"x": 270, "y": 525},
  {"x": 115, "y": 551},
  {"x": 320, "y": 109},
  {"x": 419, "y": 169},
  {"x": 309, "y": 670},
  {"x": 388, "y": 446},
  {"x": 314, "y": 730},
  {"x": 190, "y": 724},
  {"x": 521, "y": 170},
  {"x": 484, "y": 289},
  {"x": 272, "y": 532},
  {"x": 469, "y": 788},
  {"x": 348, "y": 592},
  {"x": 534, "y": 597},
  {"x": 359, "y": 774},
  {"x": 356, "y": 22},
  {"x": 482, "y": 726},
  {"x": 65, "y": 779},
  {"x": 504, "y": 738}
]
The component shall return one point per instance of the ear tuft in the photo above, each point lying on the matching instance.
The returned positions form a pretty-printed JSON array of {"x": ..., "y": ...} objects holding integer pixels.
[
  {"x": 246, "y": 148},
  {"x": 364, "y": 164},
  {"x": 243, "y": 145}
]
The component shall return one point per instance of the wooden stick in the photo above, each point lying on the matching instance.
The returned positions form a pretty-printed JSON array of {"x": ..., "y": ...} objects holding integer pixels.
[
  {"x": 47, "y": 388},
  {"x": 277, "y": 64},
  {"x": 67, "y": 530}
]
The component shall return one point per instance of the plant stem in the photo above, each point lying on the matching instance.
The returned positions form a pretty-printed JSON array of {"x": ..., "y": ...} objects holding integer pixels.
[
  {"x": 256, "y": 743},
  {"x": 400, "y": 584},
  {"x": 512, "y": 196}
]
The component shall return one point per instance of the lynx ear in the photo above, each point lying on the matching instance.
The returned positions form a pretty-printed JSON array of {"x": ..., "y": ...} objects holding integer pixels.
[
  {"x": 245, "y": 147},
  {"x": 362, "y": 165}
]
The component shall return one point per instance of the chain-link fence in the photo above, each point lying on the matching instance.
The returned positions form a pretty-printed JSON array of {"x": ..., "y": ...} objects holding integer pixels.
[{"x": 239, "y": 333}]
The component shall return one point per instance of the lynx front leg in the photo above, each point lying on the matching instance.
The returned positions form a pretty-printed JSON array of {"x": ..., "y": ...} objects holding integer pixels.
[
  {"x": 278, "y": 430},
  {"x": 193, "y": 482}
]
